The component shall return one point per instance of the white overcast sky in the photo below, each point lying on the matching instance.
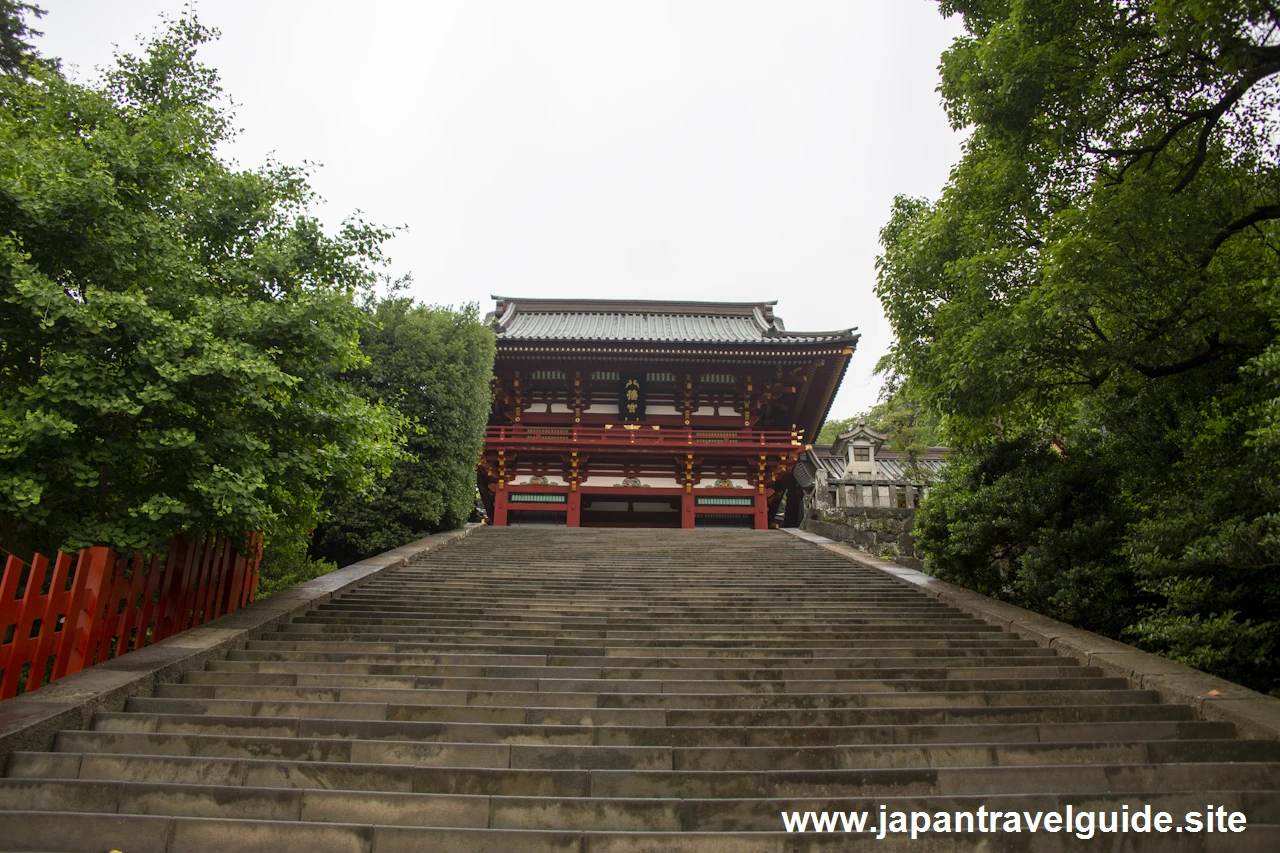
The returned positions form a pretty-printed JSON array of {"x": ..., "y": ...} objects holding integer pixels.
[{"x": 735, "y": 150}]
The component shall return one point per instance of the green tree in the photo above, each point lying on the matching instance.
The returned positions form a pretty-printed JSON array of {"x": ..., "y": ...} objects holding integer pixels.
[
  {"x": 433, "y": 365},
  {"x": 909, "y": 427},
  {"x": 1100, "y": 273},
  {"x": 831, "y": 430},
  {"x": 173, "y": 331},
  {"x": 16, "y": 51}
]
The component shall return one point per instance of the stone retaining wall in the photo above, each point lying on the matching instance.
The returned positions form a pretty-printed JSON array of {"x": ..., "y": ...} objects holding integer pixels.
[{"x": 882, "y": 531}]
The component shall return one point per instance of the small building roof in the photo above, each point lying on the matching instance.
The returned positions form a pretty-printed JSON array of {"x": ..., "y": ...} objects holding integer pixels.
[
  {"x": 517, "y": 319},
  {"x": 896, "y": 468},
  {"x": 860, "y": 431},
  {"x": 890, "y": 465},
  {"x": 821, "y": 455}
]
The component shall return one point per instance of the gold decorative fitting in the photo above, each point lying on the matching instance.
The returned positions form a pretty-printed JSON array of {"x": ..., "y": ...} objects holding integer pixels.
[{"x": 631, "y": 426}]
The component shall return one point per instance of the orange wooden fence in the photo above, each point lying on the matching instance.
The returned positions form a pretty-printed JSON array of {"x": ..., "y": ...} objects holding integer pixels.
[{"x": 58, "y": 618}]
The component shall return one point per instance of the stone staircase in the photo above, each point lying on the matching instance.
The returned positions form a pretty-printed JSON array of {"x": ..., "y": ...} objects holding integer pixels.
[{"x": 628, "y": 690}]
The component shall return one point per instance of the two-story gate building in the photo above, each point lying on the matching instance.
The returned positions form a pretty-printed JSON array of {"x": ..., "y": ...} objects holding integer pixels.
[{"x": 651, "y": 414}]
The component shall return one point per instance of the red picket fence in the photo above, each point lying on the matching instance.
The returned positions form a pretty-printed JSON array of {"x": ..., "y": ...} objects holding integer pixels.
[{"x": 58, "y": 619}]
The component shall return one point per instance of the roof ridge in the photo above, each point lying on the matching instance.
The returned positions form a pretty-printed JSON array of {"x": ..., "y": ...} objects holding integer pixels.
[{"x": 650, "y": 321}]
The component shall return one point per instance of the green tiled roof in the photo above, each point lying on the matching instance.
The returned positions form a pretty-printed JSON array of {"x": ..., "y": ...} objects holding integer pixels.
[{"x": 517, "y": 319}]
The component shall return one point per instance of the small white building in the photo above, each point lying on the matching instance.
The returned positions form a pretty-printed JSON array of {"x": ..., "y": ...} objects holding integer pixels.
[{"x": 859, "y": 471}]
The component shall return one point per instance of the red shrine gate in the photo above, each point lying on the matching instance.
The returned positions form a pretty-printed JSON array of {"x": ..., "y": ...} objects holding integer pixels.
[{"x": 651, "y": 414}]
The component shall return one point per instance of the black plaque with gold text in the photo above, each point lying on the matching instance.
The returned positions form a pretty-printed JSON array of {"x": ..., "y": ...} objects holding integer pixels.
[{"x": 631, "y": 397}]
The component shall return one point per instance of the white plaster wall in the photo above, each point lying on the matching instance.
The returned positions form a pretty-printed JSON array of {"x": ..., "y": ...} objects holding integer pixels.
[{"x": 615, "y": 479}]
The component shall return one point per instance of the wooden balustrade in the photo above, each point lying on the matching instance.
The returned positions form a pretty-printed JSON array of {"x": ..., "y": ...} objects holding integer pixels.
[
  {"x": 58, "y": 618},
  {"x": 885, "y": 494},
  {"x": 636, "y": 433}
]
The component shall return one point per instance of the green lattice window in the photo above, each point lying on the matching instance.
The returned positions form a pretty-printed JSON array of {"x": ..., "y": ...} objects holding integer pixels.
[
  {"x": 725, "y": 501},
  {"x": 537, "y": 498}
]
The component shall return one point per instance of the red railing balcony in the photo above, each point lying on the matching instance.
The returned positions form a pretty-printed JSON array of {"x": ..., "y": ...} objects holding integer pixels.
[{"x": 624, "y": 434}]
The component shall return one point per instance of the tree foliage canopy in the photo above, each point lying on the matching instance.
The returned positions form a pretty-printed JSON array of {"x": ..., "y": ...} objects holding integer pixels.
[
  {"x": 1101, "y": 273},
  {"x": 173, "y": 330},
  {"x": 433, "y": 365},
  {"x": 908, "y": 427},
  {"x": 16, "y": 52}
]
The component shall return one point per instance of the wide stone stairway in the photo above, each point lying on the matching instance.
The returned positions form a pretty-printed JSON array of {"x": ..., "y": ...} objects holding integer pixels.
[{"x": 628, "y": 690}]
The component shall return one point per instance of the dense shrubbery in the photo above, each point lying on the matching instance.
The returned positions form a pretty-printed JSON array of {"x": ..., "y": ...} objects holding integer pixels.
[
  {"x": 1025, "y": 524},
  {"x": 1101, "y": 275},
  {"x": 286, "y": 563},
  {"x": 433, "y": 365}
]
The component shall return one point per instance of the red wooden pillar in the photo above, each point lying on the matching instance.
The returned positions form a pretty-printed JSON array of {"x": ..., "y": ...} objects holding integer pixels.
[
  {"x": 573, "y": 517},
  {"x": 688, "y": 517},
  {"x": 762, "y": 512},
  {"x": 500, "y": 508}
]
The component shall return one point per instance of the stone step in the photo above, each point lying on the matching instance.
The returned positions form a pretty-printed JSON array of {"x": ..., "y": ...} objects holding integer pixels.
[
  {"x": 85, "y": 832},
  {"x": 322, "y": 677},
  {"x": 957, "y": 668},
  {"x": 629, "y": 692},
  {"x": 526, "y": 713},
  {"x": 645, "y": 585},
  {"x": 570, "y": 772},
  {"x": 405, "y": 688},
  {"x": 261, "y": 688},
  {"x": 536, "y": 605},
  {"x": 986, "y": 644},
  {"x": 688, "y": 735},
  {"x": 501, "y": 745},
  {"x": 607, "y": 604},
  {"x": 929, "y": 628},
  {"x": 609, "y": 627},
  {"x": 901, "y": 648},
  {"x": 721, "y": 648},
  {"x": 381, "y": 633},
  {"x": 501, "y": 811},
  {"x": 825, "y": 670}
]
